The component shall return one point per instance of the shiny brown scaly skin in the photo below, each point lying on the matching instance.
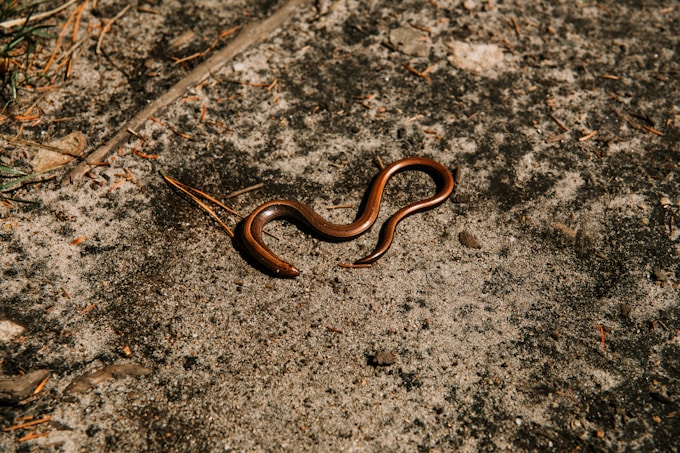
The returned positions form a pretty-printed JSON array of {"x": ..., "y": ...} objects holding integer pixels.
[{"x": 253, "y": 225}]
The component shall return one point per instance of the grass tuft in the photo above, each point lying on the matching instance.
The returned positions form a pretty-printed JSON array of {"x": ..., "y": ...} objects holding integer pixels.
[{"x": 17, "y": 45}]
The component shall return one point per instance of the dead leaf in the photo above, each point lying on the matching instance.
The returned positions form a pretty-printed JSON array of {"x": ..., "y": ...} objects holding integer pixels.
[
  {"x": 59, "y": 152},
  {"x": 15, "y": 389},
  {"x": 89, "y": 380}
]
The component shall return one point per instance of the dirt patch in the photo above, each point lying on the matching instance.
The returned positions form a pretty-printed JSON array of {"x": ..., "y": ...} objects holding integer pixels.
[{"x": 557, "y": 331}]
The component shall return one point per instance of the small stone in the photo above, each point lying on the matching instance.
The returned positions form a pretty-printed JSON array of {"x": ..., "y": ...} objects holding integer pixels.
[
  {"x": 384, "y": 358},
  {"x": 407, "y": 40},
  {"x": 9, "y": 330},
  {"x": 470, "y": 5},
  {"x": 468, "y": 240},
  {"x": 458, "y": 175},
  {"x": 477, "y": 58},
  {"x": 625, "y": 310}
]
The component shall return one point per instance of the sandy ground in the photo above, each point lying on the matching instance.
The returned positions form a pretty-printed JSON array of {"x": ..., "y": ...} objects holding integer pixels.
[{"x": 559, "y": 333}]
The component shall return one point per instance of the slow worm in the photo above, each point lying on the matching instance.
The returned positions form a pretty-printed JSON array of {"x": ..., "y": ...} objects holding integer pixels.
[{"x": 252, "y": 230}]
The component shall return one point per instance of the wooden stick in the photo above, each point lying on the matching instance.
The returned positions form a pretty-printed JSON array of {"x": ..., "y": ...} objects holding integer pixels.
[{"x": 249, "y": 36}]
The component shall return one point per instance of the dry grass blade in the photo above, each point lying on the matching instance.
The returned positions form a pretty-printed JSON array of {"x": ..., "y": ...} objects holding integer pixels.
[
  {"x": 202, "y": 194},
  {"x": 35, "y": 177},
  {"x": 57, "y": 45},
  {"x": 188, "y": 191},
  {"x": 31, "y": 143},
  {"x": 107, "y": 28},
  {"x": 24, "y": 20},
  {"x": 259, "y": 185}
]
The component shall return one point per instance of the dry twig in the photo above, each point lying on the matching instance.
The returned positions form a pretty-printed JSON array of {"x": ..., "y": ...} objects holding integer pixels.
[
  {"x": 107, "y": 28},
  {"x": 249, "y": 36}
]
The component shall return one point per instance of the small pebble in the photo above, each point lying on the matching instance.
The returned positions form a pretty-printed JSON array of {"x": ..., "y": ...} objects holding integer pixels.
[
  {"x": 470, "y": 5},
  {"x": 458, "y": 175},
  {"x": 407, "y": 40},
  {"x": 625, "y": 310},
  {"x": 469, "y": 240},
  {"x": 9, "y": 330},
  {"x": 384, "y": 358}
]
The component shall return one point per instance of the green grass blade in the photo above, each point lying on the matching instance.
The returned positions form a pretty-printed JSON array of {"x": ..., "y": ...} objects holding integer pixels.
[{"x": 10, "y": 172}]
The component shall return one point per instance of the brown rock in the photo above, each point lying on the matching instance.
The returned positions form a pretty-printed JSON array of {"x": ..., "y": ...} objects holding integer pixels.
[
  {"x": 468, "y": 240},
  {"x": 384, "y": 358}
]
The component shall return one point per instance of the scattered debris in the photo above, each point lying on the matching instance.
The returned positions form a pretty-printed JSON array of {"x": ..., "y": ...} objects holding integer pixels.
[{"x": 249, "y": 36}]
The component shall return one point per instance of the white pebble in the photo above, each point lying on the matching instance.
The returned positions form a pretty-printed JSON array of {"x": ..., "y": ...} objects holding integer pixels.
[{"x": 9, "y": 330}]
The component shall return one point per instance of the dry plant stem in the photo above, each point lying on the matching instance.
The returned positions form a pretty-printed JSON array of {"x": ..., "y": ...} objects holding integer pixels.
[
  {"x": 23, "y": 141},
  {"x": 74, "y": 37},
  {"x": 107, "y": 28},
  {"x": 250, "y": 35},
  {"x": 79, "y": 15},
  {"x": 16, "y": 22},
  {"x": 27, "y": 424},
  {"x": 57, "y": 44},
  {"x": 176, "y": 183},
  {"x": 186, "y": 189},
  {"x": 73, "y": 48},
  {"x": 246, "y": 190},
  {"x": 205, "y": 207}
]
